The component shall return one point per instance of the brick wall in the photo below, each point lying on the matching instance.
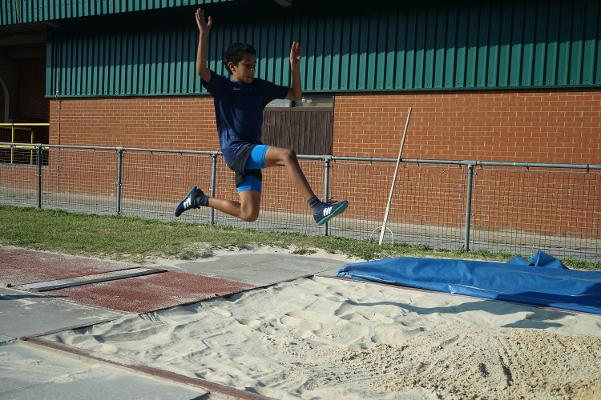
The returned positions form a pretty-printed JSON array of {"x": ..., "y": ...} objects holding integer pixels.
[
  {"x": 545, "y": 126},
  {"x": 535, "y": 126},
  {"x": 153, "y": 122}
]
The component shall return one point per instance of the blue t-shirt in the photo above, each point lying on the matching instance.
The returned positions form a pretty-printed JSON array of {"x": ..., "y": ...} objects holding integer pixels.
[{"x": 239, "y": 111}]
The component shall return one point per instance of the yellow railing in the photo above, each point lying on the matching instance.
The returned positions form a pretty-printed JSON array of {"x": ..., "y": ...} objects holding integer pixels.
[{"x": 21, "y": 126}]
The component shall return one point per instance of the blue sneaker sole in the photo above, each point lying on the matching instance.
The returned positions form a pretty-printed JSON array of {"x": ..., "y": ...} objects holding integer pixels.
[
  {"x": 340, "y": 209},
  {"x": 181, "y": 203}
]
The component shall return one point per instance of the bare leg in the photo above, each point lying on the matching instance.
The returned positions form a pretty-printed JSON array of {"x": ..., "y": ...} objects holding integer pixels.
[
  {"x": 277, "y": 156},
  {"x": 250, "y": 201},
  {"x": 247, "y": 209}
]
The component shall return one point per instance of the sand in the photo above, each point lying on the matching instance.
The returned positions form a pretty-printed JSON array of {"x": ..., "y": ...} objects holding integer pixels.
[{"x": 325, "y": 338}]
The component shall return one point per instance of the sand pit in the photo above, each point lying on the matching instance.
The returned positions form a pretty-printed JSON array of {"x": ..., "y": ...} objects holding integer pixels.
[{"x": 325, "y": 338}]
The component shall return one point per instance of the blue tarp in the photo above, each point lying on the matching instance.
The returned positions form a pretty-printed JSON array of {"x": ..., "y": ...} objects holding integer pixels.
[{"x": 541, "y": 280}]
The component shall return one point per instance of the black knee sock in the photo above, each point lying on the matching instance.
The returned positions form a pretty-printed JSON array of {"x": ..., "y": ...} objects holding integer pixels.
[
  {"x": 313, "y": 202},
  {"x": 203, "y": 200}
]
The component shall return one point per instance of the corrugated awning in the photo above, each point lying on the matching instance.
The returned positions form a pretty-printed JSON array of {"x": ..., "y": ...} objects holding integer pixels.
[{"x": 30, "y": 11}]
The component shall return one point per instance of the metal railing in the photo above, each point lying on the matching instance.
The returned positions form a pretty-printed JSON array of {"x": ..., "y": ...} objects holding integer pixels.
[
  {"x": 14, "y": 127},
  {"x": 500, "y": 206}
]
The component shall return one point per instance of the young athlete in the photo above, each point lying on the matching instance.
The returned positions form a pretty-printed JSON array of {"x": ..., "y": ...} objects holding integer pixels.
[{"x": 239, "y": 103}]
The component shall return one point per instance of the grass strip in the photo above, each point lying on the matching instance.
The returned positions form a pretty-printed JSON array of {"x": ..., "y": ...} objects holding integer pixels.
[{"x": 136, "y": 239}]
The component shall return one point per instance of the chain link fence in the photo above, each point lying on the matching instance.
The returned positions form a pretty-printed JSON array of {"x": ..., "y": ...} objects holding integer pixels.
[{"x": 510, "y": 207}]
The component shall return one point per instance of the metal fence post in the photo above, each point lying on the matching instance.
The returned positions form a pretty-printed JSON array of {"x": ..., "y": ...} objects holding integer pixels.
[
  {"x": 326, "y": 187},
  {"x": 213, "y": 184},
  {"x": 12, "y": 140},
  {"x": 38, "y": 174},
  {"x": 119, "y": 178},
  {"x": 468, "y": 205}
]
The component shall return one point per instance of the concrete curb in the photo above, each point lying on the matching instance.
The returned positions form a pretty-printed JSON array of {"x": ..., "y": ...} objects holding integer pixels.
[{"x": 153, "y": 372}]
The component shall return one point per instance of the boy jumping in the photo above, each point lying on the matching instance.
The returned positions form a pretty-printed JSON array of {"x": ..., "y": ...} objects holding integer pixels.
[{"x": 239, "y": 103}]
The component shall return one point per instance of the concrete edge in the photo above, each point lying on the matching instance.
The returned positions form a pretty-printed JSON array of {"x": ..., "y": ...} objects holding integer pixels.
[
  {"x": 70, "y": 328},
  {"x": 8, "y": 340},
  {"x": 153, "y": 372}
]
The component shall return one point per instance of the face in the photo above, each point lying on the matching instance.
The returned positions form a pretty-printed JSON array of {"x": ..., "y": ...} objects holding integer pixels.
[{"x": 244, "y": 71}]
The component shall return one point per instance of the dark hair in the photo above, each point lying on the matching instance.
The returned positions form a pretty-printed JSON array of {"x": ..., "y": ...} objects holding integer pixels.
[{"x": 236, "y": 51}]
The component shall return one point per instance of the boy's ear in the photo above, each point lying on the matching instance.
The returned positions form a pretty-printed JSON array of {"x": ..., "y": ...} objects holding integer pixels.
[{"x": 230, "y": 66}]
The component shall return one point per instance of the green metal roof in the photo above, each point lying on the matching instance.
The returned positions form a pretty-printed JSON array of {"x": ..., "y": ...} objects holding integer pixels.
[
  {"x": 517, "y": 45},
  {"x": 30, "y": 11}
]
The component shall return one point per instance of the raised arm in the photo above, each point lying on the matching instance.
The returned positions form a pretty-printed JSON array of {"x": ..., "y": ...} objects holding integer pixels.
[
  {"x": 204, "y": 27},
  {"x": 295, "y": 93}
]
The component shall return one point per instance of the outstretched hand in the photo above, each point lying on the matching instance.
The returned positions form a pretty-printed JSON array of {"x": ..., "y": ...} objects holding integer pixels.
[
  {"x": 204, "y": 26},
  {"x": 295, "y": 54}
]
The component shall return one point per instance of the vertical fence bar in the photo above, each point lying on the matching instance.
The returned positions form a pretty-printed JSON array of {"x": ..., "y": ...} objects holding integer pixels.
[
  {"x": 12, "y": 140},
  {"x": 31, "y": 149},
  {"x": 38, "y": 174},
  {"x": 468, "y": 205},
  {"x": 213, "y": 184},
  {"x": 119, "y": 182},
  {"x": 326, "y": 187}
]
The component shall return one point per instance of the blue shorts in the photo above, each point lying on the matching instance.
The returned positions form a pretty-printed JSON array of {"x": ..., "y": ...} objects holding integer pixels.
[{"x": 256, "y": 160}]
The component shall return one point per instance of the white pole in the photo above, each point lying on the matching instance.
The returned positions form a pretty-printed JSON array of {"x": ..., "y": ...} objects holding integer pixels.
[{"x": 398, "y": 161}]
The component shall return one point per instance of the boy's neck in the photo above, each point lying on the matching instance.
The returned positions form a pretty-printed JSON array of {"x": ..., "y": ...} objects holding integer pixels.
[{"x": 238, "y": 80}]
